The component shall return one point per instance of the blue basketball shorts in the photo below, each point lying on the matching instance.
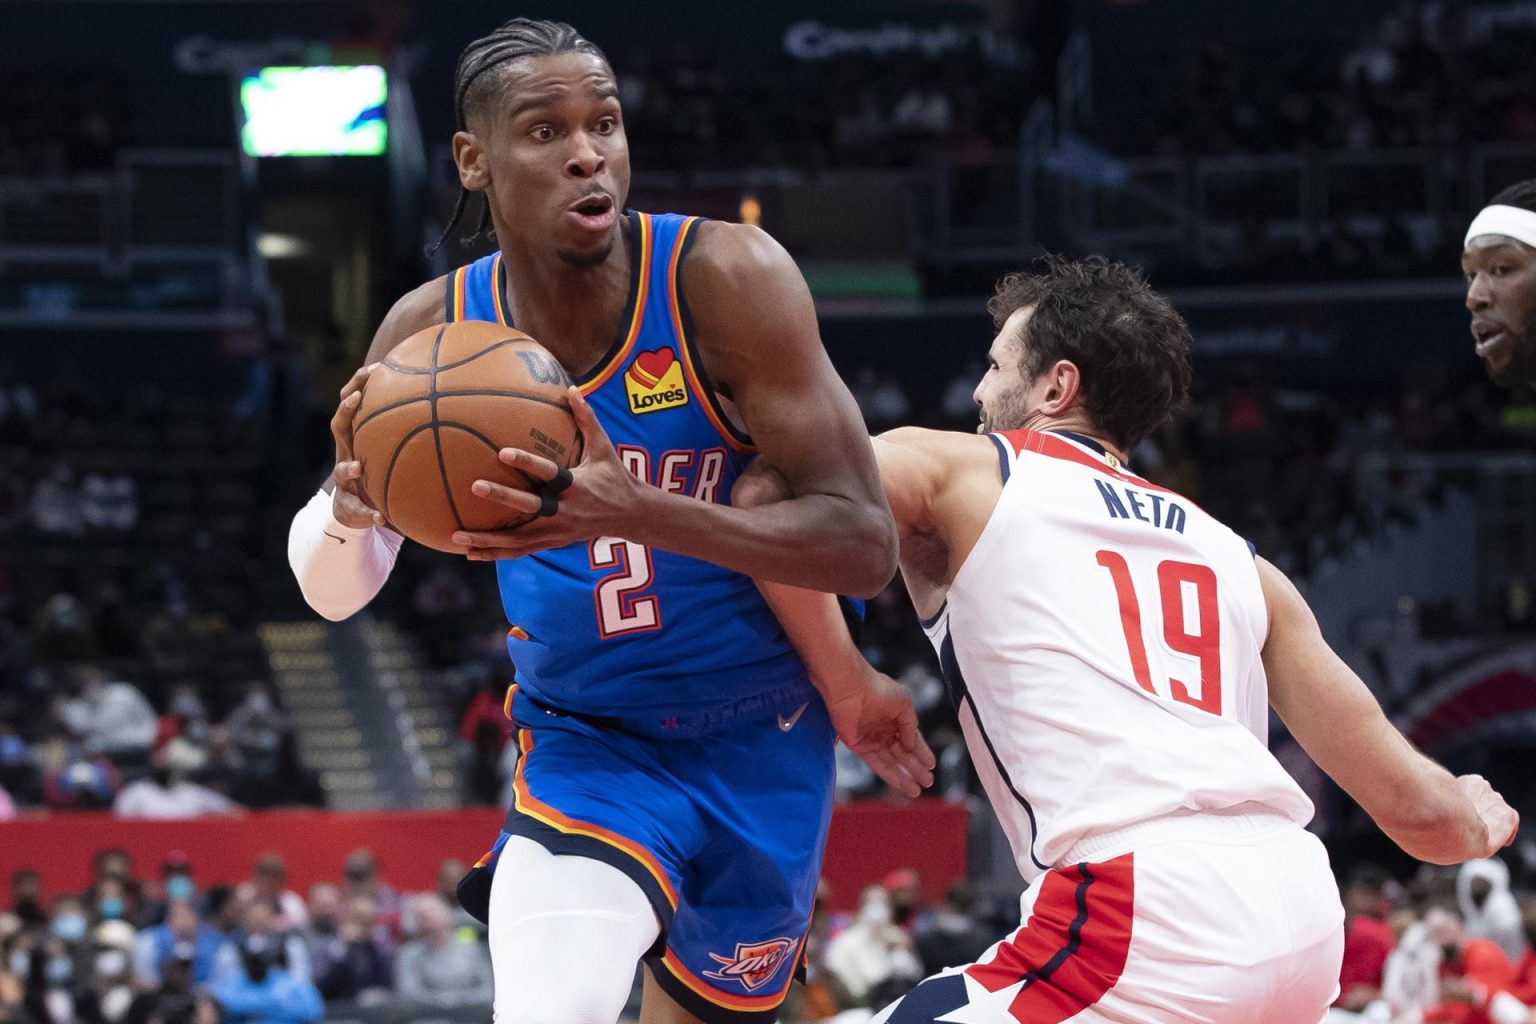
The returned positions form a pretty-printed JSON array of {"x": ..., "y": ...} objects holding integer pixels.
[{"x": 723, "y": 831}]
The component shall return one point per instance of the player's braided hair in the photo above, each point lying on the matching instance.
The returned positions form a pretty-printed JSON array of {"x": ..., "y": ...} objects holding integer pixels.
[
  {"x": 478, "y": 75},
  {"x": 1521, "y": 194}
]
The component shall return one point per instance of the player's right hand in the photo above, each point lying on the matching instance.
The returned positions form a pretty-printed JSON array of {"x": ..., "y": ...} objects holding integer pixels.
[
  {"x": 1500, "y": 821},
  {"x": 348, "y": 505}
]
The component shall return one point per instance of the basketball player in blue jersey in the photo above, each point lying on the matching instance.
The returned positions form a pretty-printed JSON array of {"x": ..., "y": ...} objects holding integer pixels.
[{"x": 675, "y": 784}]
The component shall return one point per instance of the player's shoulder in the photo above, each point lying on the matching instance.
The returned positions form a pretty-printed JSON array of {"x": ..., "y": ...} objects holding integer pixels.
[
  {"x": 938, "y": 454},
  {"x": 416, "y": 310},
  {"x": 735, "y": 253}
]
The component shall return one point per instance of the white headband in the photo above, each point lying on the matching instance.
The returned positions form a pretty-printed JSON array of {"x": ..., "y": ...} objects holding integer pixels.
[{"x": 1511, "y": 221}]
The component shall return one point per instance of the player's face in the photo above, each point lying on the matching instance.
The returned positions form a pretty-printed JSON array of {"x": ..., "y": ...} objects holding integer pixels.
[
  {"x": 1006, "y": 399},
  {"x": 555, "y": 157},
  {"x": 1501, "y": 295}
]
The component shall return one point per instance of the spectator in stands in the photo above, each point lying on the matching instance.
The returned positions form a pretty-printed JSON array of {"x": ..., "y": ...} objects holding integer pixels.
[
  {"x": 1472, "y": 971},
  {"x": 15, "y": 964},
  {"x": 60, "y": 633},
  {"x": 259, "y": 989},
  {"x": 266, "y": 884},
  {"x": 175, "y": 884},
  {"x": 18, "y": 773},
  {"x": 166, "y": 795},
  {"x": 257, "y": 726},
  {"x": 71, "y": 779},
  {"x": 904, "y": 887},
  {"x": 27, "y": 897},
  {"x": 872, "y": 949},
  {"x": 111, "y": 718},
  {"x": 50, "y": 984},
  {"x": 323, "y": 933},
  {"x": 486, "y": 730},
  {"x": 1368, "y": 940},
  {"x": 174, "y": 1000},
  {"x": 67, "y": 921},
  {"x": 1487, "y": 906},
  {"x": 110, "y": 993},
  {"x": 184, "y": 936},
  {"x": 56, "y": 503},
  {"x": 258, "y": 931},
  {"x": 1524, "y": 986},
  {"x": 436, "y": 968},
  {"x": 109, "y": 502},
  {"x": 359, "y": 965},
  {"x": 955, "y": 937},
  {"x": 360, "y": 878}
]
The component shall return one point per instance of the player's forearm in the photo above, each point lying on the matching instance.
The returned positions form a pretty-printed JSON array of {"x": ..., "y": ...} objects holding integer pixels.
[
  {"x": 1430, "y": 817},
  {"x": 339, "y": 568},
  {"x": 815, "y": 627},
  {"x": 819, "y": 542}
]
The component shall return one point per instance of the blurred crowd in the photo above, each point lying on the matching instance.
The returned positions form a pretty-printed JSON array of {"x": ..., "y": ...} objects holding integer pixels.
[
  {"x": 139, "y": 948},
  {"x": 131, "y": 674},
  {"x": 1451, "y": 946},
  {"x": 1431, "y": 74}
]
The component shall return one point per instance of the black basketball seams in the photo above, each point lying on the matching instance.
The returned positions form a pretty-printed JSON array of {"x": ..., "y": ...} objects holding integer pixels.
[
  {"x": 457, "y": 392},
  {"x": 394, "y": 458},
  {"x": 418, "y": 370},
  {"x": 437, "y": 438}
]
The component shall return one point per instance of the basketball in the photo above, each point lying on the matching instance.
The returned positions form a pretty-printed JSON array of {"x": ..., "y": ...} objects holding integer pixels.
[{"x": 436, "y": 411}]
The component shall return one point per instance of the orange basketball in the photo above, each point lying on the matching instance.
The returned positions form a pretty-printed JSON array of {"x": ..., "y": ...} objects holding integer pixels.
[{"x": 436, "y": 411}]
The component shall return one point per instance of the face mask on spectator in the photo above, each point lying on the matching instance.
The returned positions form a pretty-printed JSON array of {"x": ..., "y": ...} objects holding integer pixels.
[
  {"x": 187, "y": 707},
  {"x": 58, "y": 970},
  {"x": 875, "y": 912},
  {"x": 179, "y": 887},
  {"x": 260, "y": 703},
  {"x": 110, "y": 963},
  {"x": 20, "y": 963},
  {"x": 111, "y": 910},
  {"x": 70, "y": 927}
]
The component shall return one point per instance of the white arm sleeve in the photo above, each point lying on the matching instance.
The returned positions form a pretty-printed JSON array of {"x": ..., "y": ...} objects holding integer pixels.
[{"x": 339, "y": 568}]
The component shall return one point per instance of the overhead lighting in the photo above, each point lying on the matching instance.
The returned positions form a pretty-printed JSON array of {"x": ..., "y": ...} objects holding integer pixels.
[{"x": 281, "y": 247}]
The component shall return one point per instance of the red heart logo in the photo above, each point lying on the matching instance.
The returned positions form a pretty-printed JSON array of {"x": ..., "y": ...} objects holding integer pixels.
[{"x": 650, "y": 367}]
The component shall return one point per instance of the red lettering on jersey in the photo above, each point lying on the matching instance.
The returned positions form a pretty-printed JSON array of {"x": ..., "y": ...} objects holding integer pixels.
[
  {"x": 1204, "y": 646},
  {"x": 673, "y": 463}
]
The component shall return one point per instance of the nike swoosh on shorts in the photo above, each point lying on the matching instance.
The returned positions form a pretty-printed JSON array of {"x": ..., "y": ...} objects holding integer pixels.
[{"x": 788, "y": 723}]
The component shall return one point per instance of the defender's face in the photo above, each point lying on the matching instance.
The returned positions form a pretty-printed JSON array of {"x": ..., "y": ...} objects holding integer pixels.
[
  {"x": 1501, "y": 296},
  {"x": 1004, "y": 396},
  {"x": 555, "y": 159}
]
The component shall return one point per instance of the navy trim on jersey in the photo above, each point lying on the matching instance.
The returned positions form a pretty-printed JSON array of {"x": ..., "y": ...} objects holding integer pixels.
[
  {"x": 633, "y": 242},
  {"x": 708, "y": 1012},
  {"x": 448, "y": 296},
  {"x": 929, "y": 623},
  {"x": 689, "y": 344},
  {"x": 1074, "y": 932},
  {"x": 1002, "y": 456},
  {"x": 1253, "y": 549},
  {"x": 1082, "y": 439},
  {"x": 949, "y": 667},
  {"x": 557, "y": 842}
]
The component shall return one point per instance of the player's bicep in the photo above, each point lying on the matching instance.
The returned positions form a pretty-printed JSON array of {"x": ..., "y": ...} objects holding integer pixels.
[{"x": 757, "y": 323}]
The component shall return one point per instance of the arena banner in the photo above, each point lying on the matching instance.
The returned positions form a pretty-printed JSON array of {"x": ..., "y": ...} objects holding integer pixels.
[{"x": 868, "y": 839}]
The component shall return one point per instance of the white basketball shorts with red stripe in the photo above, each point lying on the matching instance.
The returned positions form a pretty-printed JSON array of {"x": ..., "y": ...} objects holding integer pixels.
[{"x": 1231, "y": 919}]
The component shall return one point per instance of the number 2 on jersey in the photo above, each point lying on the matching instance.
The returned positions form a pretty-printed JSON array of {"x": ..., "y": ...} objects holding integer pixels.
[
  {"x": 1204, "y": 646},
  {"x": 620, "y": 609}
]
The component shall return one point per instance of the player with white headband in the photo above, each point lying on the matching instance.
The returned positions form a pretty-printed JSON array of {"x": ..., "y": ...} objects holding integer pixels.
[{"x": 1499, "y": 261}]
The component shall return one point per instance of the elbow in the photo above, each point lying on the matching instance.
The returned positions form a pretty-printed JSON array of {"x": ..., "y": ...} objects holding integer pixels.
[{"x": 876, "y": 551}]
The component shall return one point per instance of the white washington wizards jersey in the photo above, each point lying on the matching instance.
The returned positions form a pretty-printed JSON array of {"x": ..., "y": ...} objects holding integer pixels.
[{"x": 1102, "y": 644}]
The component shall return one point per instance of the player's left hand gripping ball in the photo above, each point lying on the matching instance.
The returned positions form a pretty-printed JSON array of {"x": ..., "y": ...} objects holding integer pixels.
[{"x": 596, "y": 498}]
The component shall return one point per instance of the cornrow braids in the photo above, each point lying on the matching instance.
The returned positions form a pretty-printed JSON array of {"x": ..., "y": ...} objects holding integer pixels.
[
  {"x": 1522, "y": 194},
  {"x": 479, "y": 72}
]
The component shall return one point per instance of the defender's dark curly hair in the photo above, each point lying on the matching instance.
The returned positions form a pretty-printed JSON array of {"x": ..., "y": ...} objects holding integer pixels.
[
  {"x": 478, "y": 77},
  {"x": 1129, "y": 343}
]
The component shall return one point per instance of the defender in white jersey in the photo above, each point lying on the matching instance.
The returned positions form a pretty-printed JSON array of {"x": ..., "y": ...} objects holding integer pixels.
[{"x": 1113, "y": 651}]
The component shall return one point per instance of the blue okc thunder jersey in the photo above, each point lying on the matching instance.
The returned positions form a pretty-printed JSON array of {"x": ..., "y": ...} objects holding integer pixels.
[{"x": 612, "y": 627}]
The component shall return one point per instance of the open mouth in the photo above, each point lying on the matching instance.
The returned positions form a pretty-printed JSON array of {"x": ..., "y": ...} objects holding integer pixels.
[
  {"x": 1487, "y": 336},
  {"x": 595, "y": 213}
]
